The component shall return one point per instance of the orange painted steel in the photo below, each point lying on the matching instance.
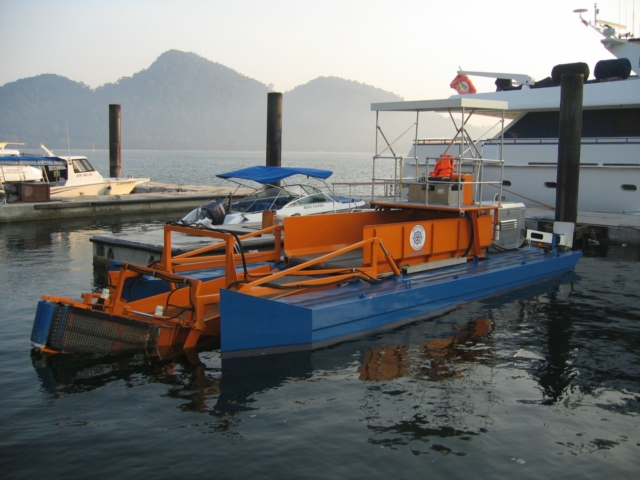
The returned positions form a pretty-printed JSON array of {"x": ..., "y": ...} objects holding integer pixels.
[
  {"x": 330, "y": 231},
  {"x": 198, "y": 259},
  {"x": 467, "y": 190},
  {"x": 388, "y": 239},
  {"x": 327, "y": 277},
  {"x": 447, "y": 234},
  {"x": 191, "y": 307}
]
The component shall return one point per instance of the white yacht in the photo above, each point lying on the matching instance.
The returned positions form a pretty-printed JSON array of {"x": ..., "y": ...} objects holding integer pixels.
[
  {"x": 67, "y": 176},
  {"x": 610, "y": 147}
]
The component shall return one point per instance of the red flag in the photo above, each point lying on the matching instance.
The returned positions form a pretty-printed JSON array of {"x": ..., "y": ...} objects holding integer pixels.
[{"x": 462, "y": 84}]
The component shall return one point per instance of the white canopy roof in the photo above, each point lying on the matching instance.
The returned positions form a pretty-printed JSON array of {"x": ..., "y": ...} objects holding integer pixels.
[{"x": 455, "y": 103}]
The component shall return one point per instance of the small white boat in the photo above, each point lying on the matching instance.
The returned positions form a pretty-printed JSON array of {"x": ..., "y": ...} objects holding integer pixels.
[
  {"x": 285, "y": 200},
  {"x": 70, "y": 176}
]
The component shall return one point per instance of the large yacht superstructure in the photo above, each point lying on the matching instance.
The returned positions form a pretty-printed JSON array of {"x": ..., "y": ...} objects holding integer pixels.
[{"x": 610, "y": 148}]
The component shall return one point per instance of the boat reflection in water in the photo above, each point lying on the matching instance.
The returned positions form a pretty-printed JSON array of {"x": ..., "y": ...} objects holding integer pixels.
[{"x": 435, "y": 360}]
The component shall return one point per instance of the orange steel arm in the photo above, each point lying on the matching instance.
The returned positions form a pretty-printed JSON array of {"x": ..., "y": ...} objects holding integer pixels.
[{"x": 296, "y": 270}]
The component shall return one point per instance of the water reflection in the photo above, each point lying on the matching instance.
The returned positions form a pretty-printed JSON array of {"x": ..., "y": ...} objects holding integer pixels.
[
  {"x": 582, "y": 341},
  {"x": 69, "y": 374},
  {"x": 418, "y": 395},
  {"x": 617, "y": 252},
  {"x": 556, "y": 374},
  {"x": 435, "y": 360},
  {"x": 418, "y": 385},
  {"x": 62, "y": 375},
  {"x": 399, "y": 375}
]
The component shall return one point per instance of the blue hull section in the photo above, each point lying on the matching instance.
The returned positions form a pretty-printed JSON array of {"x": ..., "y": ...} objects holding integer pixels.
[
  {"x": 42, "y": 323},
  {"x": 253, "y": 325}
]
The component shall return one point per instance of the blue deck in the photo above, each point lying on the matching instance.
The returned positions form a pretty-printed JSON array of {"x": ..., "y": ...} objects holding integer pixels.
[
  {"x": 254, "y": 325},
  {"x": 146, "y": 286}
]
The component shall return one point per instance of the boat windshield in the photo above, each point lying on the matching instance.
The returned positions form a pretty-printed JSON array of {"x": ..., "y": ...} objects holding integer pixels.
[
  {"x": 270, "y": 198},
  {"x": 269, "y": 192},
  {"x": 309, "y": 190},
  {"x": 81, "y": 165},
  {"x": 315, "y": 198}
]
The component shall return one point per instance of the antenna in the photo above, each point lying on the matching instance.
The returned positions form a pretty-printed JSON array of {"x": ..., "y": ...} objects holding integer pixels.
[
  {"x": 46, "y": 150},
  {"x": 604, "y": 27},
  {"x": 68, "y": 143},
  {"x": 580, "y": 11}
]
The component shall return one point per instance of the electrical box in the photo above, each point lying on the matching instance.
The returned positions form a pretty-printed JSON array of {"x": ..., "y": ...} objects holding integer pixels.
[
  {"x": 442, "y": 193},
  {"x": 510, "y": 227}
]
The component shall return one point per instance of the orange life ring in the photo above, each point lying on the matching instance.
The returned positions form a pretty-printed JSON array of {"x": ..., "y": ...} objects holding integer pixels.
[{"x": 462, "y": 85}]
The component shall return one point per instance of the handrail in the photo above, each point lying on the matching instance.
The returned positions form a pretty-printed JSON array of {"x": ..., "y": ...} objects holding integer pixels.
[
  {"x": 227, "y": 259},
  {"x": 302, "y": 269}
]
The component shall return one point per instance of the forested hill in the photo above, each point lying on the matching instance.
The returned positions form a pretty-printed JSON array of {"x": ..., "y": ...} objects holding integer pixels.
[{"x": 183, "y": 101}]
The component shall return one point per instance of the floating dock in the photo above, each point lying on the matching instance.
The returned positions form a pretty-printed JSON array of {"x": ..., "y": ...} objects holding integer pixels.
[
  {"x": 616, "y": 228},
  {"x": 145, "y": 245},
  {"x": 147, "y": 198}
]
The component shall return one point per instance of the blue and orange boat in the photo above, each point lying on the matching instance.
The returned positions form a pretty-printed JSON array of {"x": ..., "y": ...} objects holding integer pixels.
[{"x": 329, "y": 278}]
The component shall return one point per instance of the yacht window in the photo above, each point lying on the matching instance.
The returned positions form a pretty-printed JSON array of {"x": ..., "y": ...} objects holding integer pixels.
[
  {"x": 624, "y": 122},
  {"x": 629, "y": 188},
  {"x": 550, "y": 184},
  {"x": 82, "y": 165},
  {"x": 506, "y": 183}
]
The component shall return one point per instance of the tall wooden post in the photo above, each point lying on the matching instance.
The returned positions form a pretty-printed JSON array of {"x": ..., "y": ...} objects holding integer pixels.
[
  {"x": 569, "y": 139},
  {"x": 274, "y": 129},
  {"x": 115, "y": 155}
]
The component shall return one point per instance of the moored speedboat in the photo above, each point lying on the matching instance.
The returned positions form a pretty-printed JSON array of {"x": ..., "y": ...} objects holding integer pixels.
[{"x": 283, "y": 200}]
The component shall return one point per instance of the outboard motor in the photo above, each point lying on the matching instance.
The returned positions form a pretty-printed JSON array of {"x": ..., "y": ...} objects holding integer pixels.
[{"x": 214, "y": 211}]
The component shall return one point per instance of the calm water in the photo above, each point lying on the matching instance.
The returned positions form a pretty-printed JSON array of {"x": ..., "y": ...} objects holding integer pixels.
[{"x": 543, "y": 382}]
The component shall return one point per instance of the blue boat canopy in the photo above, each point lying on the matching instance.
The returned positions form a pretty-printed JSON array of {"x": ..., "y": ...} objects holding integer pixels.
[
  {"x": 268, "y": 175},
  {"x": 31, "y": 160}
]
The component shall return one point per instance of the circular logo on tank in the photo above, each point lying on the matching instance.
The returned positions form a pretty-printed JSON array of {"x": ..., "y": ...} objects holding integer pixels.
[{"x": 417, "y": 237}]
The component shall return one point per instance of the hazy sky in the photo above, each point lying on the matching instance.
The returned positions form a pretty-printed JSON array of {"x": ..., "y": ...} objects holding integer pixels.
[{"x": 410, "y": 47}]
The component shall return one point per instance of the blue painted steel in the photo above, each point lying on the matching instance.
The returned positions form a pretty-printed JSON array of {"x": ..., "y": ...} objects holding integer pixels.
[
  {"x": 250, "y": 325},
  {"x": 270, "y": 175},
  {"x": 146, "y": 286},
  {"x": 42, "y": 323}
]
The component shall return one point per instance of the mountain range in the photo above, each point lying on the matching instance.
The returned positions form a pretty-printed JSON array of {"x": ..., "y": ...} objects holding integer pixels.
[{"x": 186, "y": 102}]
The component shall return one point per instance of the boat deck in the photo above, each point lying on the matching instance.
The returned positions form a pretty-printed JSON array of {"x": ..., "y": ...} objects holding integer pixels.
[{"x": 320, "y": 318}]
